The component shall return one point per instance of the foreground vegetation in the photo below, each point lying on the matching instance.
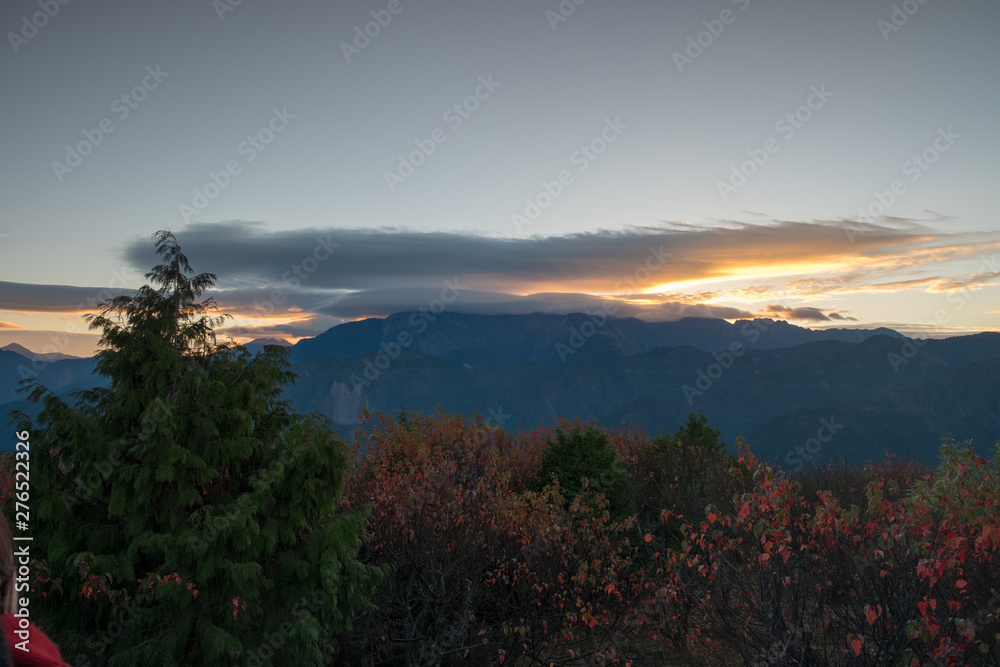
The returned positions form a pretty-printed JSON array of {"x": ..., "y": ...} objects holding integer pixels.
[
  {"x": 185, "y": 516},
  {"x": 693, "y": 557}
]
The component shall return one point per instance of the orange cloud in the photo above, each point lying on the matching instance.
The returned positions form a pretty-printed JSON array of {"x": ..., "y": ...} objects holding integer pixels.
[{"x": 805, "y": 313}]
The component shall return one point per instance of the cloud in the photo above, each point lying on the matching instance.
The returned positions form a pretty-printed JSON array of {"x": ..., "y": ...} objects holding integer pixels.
[
  {"x": 8, "y": 326},
  {"x": 24, "y": 297},
  {"x": 805, "y": 313},
  {"x": 245, "y": 253},
  {"x": 292, "y": 331},
  {"x": 377, "y": 303},
  {"x": 299, "y": 282},
  {"x": 929, "y": 329},
  {"x": 975, "y": 281}
]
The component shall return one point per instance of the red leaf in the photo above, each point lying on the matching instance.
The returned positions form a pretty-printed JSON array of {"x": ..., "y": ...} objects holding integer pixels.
[{"x": 856, "y": 645}]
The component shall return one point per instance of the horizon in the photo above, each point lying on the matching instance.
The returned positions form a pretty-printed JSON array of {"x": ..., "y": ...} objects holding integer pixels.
[
  {"x": 244, "y": 340},
  {"x": 729, "y": 161}
]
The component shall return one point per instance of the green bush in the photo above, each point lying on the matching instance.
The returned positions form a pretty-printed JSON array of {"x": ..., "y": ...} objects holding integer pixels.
[
  {"x": 586, "y": 454},
  {"x": 683, "y": 473}
]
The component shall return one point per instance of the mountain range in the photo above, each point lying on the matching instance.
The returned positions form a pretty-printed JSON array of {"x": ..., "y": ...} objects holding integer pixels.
[{"x": 795, "y": 394}]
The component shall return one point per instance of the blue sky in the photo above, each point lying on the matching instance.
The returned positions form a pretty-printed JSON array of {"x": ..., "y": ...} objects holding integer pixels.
[{"x": 759, "y": 144}]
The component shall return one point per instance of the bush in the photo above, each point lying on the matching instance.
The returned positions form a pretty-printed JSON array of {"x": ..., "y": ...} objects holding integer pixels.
[
  {"x": 785, "y": 579},
  {"x": 681, "y": 474},
  {"x": 485, "y": 569},
  {"x": 577, "y": 454}
]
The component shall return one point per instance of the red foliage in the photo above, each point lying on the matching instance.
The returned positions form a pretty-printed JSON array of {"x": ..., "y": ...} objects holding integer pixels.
[
  {"x": 886, "y": 583},
  {"x": 482, "y": 566}
]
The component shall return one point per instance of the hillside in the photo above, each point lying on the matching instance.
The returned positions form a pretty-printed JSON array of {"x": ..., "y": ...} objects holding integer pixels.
[{"x": 881, "y": 391}]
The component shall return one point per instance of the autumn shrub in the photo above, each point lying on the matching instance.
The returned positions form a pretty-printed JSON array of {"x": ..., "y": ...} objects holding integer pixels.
[
  {"x": 439, "y": 488},
  {"x": 848, "y": 482},
  {"x": 907, "y": 578},
  {"x": 484, "y": 566}
]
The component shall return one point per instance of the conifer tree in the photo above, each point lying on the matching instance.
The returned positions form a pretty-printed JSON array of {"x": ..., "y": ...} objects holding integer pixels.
[{"x": 185, "y": 514}]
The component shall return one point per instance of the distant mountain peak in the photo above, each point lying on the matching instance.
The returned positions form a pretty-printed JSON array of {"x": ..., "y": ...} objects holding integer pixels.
[
  {"x": 257, "y": 345},
  {"x": 17, "y": 348},
  {"x": 269, "y": 341}
]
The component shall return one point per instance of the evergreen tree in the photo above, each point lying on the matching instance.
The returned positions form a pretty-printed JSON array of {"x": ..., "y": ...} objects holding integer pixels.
[
  {"x": 695, "y": 433},
  {"x": 576, "y": 455},
  {"x": 186, "y": 515}
]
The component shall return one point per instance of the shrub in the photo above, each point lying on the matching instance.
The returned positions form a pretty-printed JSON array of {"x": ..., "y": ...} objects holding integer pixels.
[
  {"x": 484, "y": 568},
  {"x": 576, "y": 454}
]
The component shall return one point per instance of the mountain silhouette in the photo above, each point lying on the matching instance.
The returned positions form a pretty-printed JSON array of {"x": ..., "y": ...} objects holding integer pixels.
[{"x": 777, "y": 384}]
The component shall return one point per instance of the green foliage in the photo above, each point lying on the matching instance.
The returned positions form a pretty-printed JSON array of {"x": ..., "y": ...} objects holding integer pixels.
[
  {"x": 587, "y": 454},
  {"x": 684, "y": 473},
  {"x": 186, "y": 515},
  {"x": 695, "y": 434}
]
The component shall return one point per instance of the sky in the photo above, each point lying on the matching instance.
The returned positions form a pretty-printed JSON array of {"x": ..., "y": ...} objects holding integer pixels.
[{"x": 828, "y": 163}]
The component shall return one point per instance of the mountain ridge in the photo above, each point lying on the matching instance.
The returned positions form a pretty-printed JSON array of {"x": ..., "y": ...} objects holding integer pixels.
[{"x": 526, "y": 370}]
